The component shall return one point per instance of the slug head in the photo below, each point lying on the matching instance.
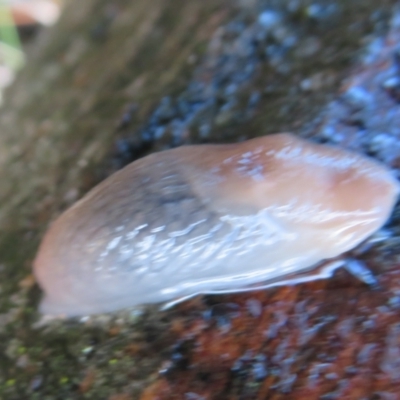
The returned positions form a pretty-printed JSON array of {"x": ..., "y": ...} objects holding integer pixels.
[{"x": 304, "y": 185}]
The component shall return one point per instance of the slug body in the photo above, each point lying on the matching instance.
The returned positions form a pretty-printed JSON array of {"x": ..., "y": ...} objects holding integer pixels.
[{"x": 211, "y": 217}]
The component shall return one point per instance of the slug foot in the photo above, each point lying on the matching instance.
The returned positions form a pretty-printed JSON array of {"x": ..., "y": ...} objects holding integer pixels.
[{"x": 325, "y": 270}]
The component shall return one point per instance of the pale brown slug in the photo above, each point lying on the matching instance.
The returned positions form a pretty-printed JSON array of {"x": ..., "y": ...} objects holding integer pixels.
[{"x": 204, "y": 218}]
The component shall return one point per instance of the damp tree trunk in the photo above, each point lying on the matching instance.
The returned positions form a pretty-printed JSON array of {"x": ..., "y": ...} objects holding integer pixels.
[{"x": 116, "y": 80}]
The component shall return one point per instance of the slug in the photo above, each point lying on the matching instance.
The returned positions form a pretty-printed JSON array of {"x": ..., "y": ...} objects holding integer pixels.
[{"x": 209, "y": 218}]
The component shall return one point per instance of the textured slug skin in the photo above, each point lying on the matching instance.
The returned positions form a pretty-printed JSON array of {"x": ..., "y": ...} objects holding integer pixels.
[{"x": 210, "y": 217}]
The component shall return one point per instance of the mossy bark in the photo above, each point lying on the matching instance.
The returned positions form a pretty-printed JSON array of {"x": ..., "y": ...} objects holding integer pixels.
[{"x": 112, "y": 81}]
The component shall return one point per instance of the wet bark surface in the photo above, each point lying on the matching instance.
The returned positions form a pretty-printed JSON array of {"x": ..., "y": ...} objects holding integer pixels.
[{"x": 116, "y": 80}]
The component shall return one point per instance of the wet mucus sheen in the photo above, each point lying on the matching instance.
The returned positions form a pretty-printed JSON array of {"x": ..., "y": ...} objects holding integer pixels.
[{"x": 208, "y": 218}]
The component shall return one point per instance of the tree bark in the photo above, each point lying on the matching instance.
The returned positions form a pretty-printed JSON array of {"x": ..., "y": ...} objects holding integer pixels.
[{"x": 115, "y": 80}]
